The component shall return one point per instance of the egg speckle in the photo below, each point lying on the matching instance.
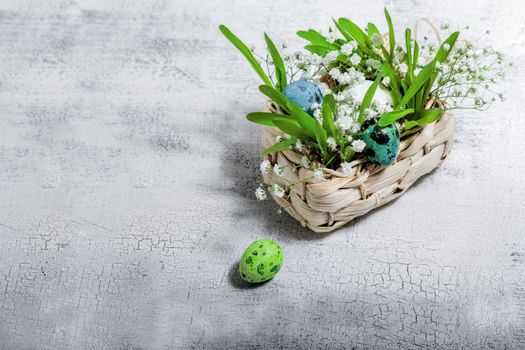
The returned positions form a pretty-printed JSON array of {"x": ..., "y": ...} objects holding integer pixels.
[
  {"x": 382, "y": 144},
  {"x": 304, "y": 93},
  {"x": 261, "y": 261}
]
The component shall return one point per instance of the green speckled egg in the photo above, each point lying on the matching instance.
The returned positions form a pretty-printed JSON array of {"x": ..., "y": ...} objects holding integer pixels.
[
  {"x": 382, "y": 144},
  {"x": 261, "y": 261}
]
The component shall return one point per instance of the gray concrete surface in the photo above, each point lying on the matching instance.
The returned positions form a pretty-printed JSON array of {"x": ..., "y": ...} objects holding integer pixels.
[{"x": 126, "y": 192}]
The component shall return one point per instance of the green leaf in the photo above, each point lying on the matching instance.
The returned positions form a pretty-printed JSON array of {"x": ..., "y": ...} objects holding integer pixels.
[
  {"x": 328, "y": 115},
  {"x": 320, "y": 135},
  {"x": 276, "y": 96},
  {"x": 419, "y": 81},
  {"x": 314, "y": 37},
  {"x": 348, "y": 153},
  {"x": 266, "y": 118},
  {"x": 372, "y": 29},
  {"x": 415, "y": 57},
  {"x": 351, "y": 29},
  {"x": 291, "y": 128},
  {"x": 320, "y": 50},
  {"x": 386, "y": 70},
  {"x": 279, "y": 146},
  {"x": 428, "y": 116},
  {"x": 408, "y": 43},
  {"x": 304, "y": 119},
  {"x": 280, "y": 69},
  {"x": 367, "y": 99},
  {"x": 442, "y": 54},
  {"x": 391, "y": 117},
  {"x": 391, "y": 35},
  {"x": 246, "y": 52}
]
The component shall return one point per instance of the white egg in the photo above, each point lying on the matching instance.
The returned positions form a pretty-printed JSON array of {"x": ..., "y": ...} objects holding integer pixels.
[{"x": 382, "y": 96}]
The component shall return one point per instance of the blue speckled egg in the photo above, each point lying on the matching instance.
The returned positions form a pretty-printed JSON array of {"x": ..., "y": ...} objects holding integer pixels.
[
  {"x": 304, "y": 93},
  {"x": 382, "y": 144}
]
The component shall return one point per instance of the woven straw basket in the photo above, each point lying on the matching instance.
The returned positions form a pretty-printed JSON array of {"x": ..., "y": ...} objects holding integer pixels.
[{"x": 328, "y": 204}]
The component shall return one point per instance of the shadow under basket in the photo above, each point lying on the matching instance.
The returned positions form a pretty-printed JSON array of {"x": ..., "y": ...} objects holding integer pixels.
[{"x": 335, "y": 200}]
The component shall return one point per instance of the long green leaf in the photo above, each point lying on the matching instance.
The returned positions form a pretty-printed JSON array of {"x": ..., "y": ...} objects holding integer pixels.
[
  {"x": 419, "y": 81},
  {"x": 408, "y": 43},
  {"x": 280, "y": 69},
  {"x": 279, "y": 146},
  {"x": 266, "y": 118},
  {"x": 276, "y": 96},
  {"x": 304, "y": 119},
  {"x": 391, "y": 117},
  {"x": 354, "y": 31},
  {"x": 314, "y": 37},
  {"x": 320, "y": 135},
  {"x": 291, "y": 128},
  {"x": 442, "y": 54},
  {"x": 320, "y": 50},
  {"x": 391, "y": 35},
  {"x": 328, "y": 115},
  {"x": 367, "y": 99},
  {"x": 246, "y": 52},
  {"x": 426, "y": 116}
]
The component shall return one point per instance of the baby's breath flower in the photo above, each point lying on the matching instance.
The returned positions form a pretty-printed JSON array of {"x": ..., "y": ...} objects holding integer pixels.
[
  {"x": 347, "y": 169},
  {"x": 403, "y": 68},
  {"x": 265, "y": 166},
  {"x": 386, "y": 81},
  {"x": 331, "y": 143},
  {"x": 324, "y": 88},
  {"x": 299, "y": 145},
  {"x": 318, "y": 175},
  {"x": 330, "y": 57},
  {"x": 377, "y": 39},
  {"x": 278, "y": 190},
  {"x": 305, "y": 162},
  {"x": 358, "y": 145},
  {"x": 355, "y": 59},
  {"x": 260, "y": 194},
  {"x": 278, "y": 169},
  {"x": 331, "y": 37}
]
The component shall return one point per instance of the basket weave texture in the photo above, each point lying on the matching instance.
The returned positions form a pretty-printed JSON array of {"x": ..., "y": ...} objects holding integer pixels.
[{"x": 328, "y": 204}]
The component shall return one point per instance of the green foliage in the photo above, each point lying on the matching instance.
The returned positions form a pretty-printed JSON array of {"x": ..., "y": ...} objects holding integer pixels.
[
  {"x": 280, "y": 69},
  {"x": 367, "y": 99},
  {"x": 246, "y": 53},
  {"x": 279, "y": 146}
]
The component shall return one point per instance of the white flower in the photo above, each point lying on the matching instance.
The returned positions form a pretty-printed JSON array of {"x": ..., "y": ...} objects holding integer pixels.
[
  {"x": 386, "y": 81},
  {"x": 315, "y": 105},
  {"x": 331, "y": 37},
  {"x": 315, "y": 59},
  {"x": 318, "y": 114},
  {"x": 260, "y": 194},
  {"x": 330, "y": 57},
  {"x": 318, "y": 175},
  {"x": 374, "y": 64},
  {"x": 446, "y": 46},
  {"x": 298, "y": 145},
  {"x": 403, "y": 68},
  {"x": 377, "y": 39},
  {"x": 335, "y": 73},
  {"x": 331, "y": 143},
  {"x": 278, "y": 169},
  {"x": 265, "y": 166},
  {"x": 345, "y": 123},
  {"x": 347, "y": 48},
  {"x": 278, "y": 190},
  {"x": 324, "y": 88},
  {"x": 370, "y": 113},
  {"x": 347, "y": 169},
  {"x": 305, "y": 162},
  {"x": 358, "y": 145},
  {"x": 355, "y": 59}
]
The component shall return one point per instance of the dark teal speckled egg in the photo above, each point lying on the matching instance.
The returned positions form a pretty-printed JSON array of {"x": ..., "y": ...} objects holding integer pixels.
[
  {"x": 382, "y": 144},
  {"x": 261, "y": 261}
]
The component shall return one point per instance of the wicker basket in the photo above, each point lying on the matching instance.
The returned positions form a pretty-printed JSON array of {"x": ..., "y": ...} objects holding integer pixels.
[{"x": 328, "y": 204}]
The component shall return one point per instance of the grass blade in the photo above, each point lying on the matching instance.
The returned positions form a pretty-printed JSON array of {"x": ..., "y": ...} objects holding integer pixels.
[
  {"x": 246, "y": 52},
  {"x": 280, "y": 69},
  {"x": 367, "y": 99},
  {"x": 354, "y": 32},
  {"x": 419, "y": 81},
  {"x": 291, "y": 128},
  {"x": 304, "y": 119},
  {"x": 391, "y": 35},
  {"x": 391, "y": 117},
  {"x": 266, "y": 118},
  {"x": 279, "y": 146},
  {"x": 314, "y": 37},
  {"x": 276, "y": 96}
]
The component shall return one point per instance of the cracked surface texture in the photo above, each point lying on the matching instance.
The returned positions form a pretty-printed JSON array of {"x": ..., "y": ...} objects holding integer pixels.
[{"x": 127, "y": 173}]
